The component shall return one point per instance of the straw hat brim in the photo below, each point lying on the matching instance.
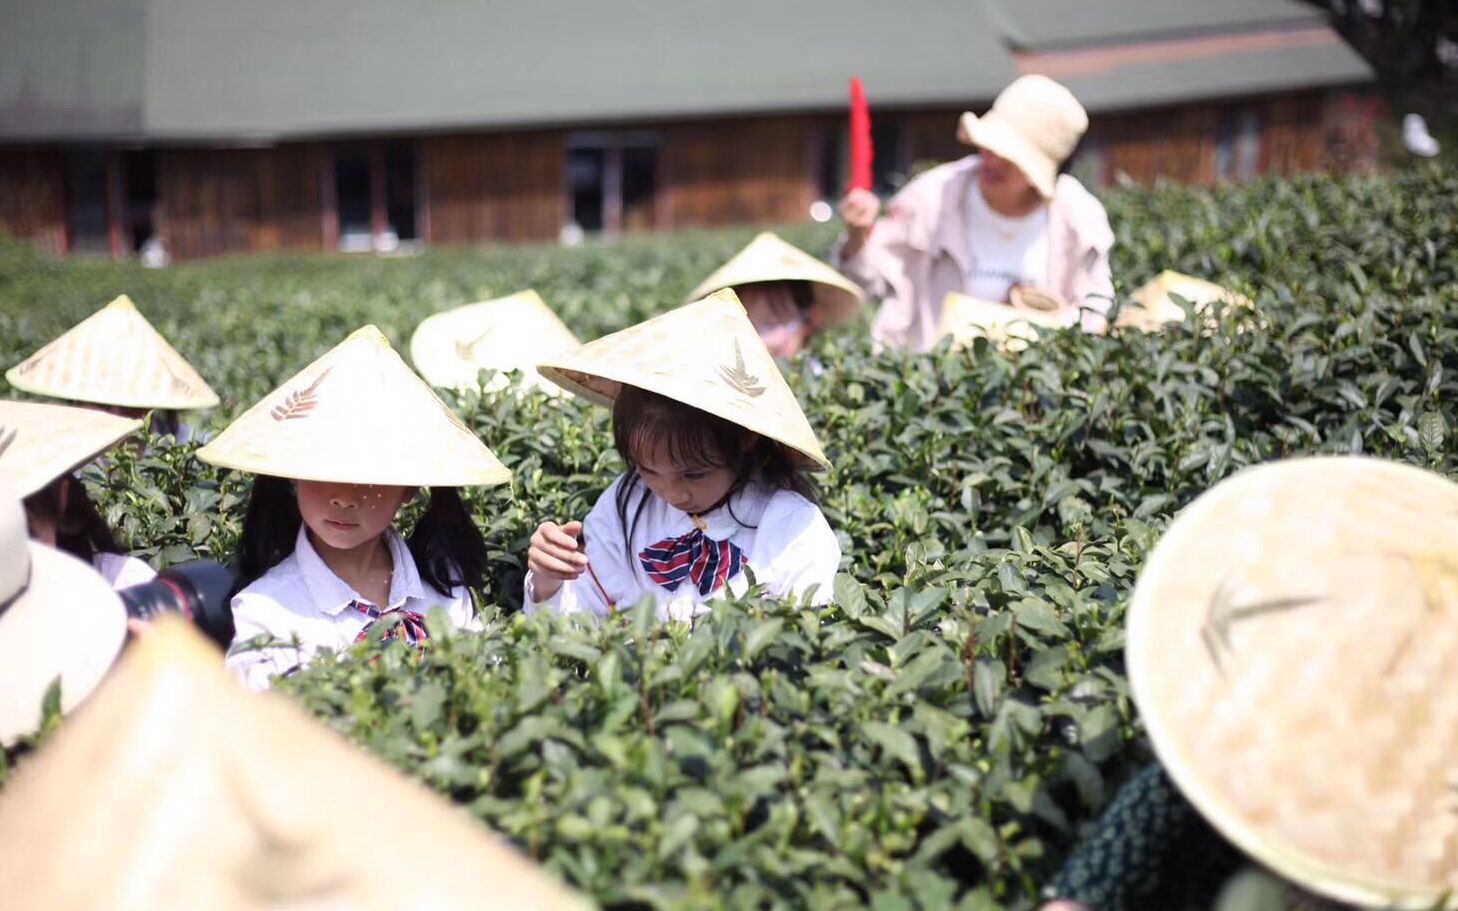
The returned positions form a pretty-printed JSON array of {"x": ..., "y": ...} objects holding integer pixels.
[
  {"x": 769, "y": 258},
  {"x": 1260, "y": 646},
  {"x": 994, "y": 134},
  {"x": 965, "y": 318},
  {"x": 357, "y": 415},
  {"x": 69, "y": 625},
  {"x": 451, "y": 348},
  {"x": 706, "y": 355},
  {"x": 40, "y": 442}
]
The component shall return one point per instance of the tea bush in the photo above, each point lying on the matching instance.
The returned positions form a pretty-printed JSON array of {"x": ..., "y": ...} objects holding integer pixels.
[{"x": 937, "y": 737}]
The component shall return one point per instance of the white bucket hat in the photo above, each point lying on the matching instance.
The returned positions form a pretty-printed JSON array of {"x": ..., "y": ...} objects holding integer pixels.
[
  {"x": 175, "y": 788},
  {"x": 39, "y": 442},
  {"x": 769, "y": 258},
  {"x": 450, "y": 349},
  {"x": 357, "y": 415},
  {"x": 114, "y": 357},
  {"x": 1035, "y": 123},
  {"x": 59, "y": 622},
  {"x": 706, "y": 355},
  {"x": 1292, "y": 646}
]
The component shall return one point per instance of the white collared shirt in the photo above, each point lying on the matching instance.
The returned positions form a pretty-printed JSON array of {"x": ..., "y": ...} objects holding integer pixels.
[
  {"x": 787, "y": 542},
  {"x": 122, "y": 571},
  {"x": 302, "y": 597}
]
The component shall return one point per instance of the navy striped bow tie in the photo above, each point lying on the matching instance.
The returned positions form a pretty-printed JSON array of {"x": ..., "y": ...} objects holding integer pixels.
[{"x": 693, "y": 557}]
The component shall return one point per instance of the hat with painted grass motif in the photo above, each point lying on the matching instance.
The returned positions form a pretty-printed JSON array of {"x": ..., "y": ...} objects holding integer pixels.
[
  {"x": 40, "y": 442},
  {"x": 357, "y": 415},
  {"x": 1292, "y": 646},
  {"x": 450, "y": 349},
  {"x": 705, "y": 355},
  {"x": 114, "y": 357}
]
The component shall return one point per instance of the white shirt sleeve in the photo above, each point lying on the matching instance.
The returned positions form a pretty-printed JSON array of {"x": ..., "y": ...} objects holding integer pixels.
[
  {"x": 122, "y": 571},
  {"x": 800, "y": 549},
  {"x": 605, "y": 553},
  {"x": 255, "y": 668}
]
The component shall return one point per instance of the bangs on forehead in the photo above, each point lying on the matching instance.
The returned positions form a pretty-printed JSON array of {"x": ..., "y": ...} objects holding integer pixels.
[{"x": 645, "y": 424}]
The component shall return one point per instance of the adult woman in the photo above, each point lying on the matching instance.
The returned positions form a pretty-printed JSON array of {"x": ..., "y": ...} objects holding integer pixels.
[{"x": 986, "y": 224}]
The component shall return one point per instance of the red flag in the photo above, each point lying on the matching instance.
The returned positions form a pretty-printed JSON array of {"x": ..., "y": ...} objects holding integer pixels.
[{"x": 860, "y": 138}]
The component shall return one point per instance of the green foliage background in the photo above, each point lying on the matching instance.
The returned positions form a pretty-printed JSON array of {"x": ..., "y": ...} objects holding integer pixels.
[{"x": 938, "y": 736}]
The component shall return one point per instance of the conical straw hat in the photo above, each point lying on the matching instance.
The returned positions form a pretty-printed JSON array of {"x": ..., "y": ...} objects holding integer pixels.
[
  {"x": 174, "y": 788},
  {"x": 39, "y": 443},
  {"x": 356, "y": 415},
  {"x": 1293, "y": 650},
  {"x": 61, "y": 623},
  {"x": 114, "y": 357},
  {"x": 705, "y": 354},
  {"x": 1155, "y": 305},
  {"x": 451, "y": 349},
  {"x": 1007, "y": 326},
  {"x": 769, "y": 259}
]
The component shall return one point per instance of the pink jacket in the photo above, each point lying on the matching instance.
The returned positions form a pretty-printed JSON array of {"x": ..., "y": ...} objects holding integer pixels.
[{"x": 917, "y": 253}]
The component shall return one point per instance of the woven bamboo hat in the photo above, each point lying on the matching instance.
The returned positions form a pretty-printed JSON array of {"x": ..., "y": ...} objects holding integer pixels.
[
  {"x": 705, "y": 354},
  {"x": 1035, "y": 123},
  {"x": 1293, "y": 649},
  {"x": 356, "y": 415},
  {"x": 59, "y": 621},
  {"x": 114, "y": 357},
  {"x": 1155, "y": 304},
  {"x": 451, "y": 349},
  {"x": 174, "y": 788},
  {"x": 39, "y": 442},
  {"x": 1009, "y": 326},
  {"x": 768, "y": 258}
]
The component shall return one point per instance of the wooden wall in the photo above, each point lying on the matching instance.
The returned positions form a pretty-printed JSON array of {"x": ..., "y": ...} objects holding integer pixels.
[
  {"x": 32, "y": 198},
  {"x": 214, "y": 201},
  {"x": 739, "y": 171},
  {"x": 499, "y": 186}
]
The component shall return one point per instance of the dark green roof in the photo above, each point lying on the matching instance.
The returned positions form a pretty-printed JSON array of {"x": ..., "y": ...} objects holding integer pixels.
[
  {"x": 1049, "y": 24},
  {"x": 243, "y": 70}
]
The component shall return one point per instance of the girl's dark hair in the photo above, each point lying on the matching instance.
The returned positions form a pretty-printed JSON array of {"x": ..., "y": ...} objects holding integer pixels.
[
  {"x": 446, "y": 544},
  {"x": 80, "y": 529},
  {"x": 644, "y": 420},
  {"x": 800, "y": 291}
]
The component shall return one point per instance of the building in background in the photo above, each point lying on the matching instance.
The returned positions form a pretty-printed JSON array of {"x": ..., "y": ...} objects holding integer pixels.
[{"x": 222, "y": 127}]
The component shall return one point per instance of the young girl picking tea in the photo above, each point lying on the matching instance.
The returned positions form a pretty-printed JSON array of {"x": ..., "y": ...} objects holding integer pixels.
[
  {"x": 40, "y": 447},
  {"x": 339, "y": 450},
  {"x": 718, "y": 454}
]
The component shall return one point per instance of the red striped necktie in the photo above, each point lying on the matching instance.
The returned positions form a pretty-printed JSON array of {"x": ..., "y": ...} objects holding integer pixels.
[{"x": 695, "y": 558}]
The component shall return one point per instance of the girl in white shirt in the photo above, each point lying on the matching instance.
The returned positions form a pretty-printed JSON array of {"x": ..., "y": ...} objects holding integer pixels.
[
  {"x": 320, "y": 561},
  {"x": 706, "y": 499},
  {"x": 40, "y": 447}
]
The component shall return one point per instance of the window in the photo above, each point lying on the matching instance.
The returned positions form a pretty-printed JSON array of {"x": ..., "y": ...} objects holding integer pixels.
[
  {"x": 889, "y": 158},
  {"x": 612, "y": 182},
  {"x": 375, "y": 195},
  {"x": 88, "y": 212},
  {"x": 139, "y": 172},
  {"x": 1238, "y": 145}
]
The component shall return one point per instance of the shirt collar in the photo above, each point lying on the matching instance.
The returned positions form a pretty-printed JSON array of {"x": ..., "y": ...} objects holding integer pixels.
[
  {"x": 332, "y": 594},
  {"x": 744, "y": 507}
]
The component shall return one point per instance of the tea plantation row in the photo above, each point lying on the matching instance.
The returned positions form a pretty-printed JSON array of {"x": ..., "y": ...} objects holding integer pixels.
[{"x": 937, "y": 737}]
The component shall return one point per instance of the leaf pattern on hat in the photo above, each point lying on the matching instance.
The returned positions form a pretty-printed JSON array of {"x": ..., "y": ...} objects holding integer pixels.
[
  {"x": 300, "y": 403},
  {"x": 740, "y": 378}
]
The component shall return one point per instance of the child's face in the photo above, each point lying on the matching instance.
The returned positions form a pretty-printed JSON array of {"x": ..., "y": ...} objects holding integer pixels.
[
  {"x": 689, "y": 488},
  {"x": 345, "y": 516},
  {"x": 779, "y": 322}
]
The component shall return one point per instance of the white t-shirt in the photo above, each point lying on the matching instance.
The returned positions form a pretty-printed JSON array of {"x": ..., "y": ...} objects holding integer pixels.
[
  {"x": 302, "y": 597},
  {"x": 1003, "y": 251},
  {"x": 782, "y": 536},
  {"x": 122, "y": 571}
]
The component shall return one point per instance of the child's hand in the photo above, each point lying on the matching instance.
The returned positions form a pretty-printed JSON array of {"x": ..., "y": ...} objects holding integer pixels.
[{"x": 553, "y": 558}]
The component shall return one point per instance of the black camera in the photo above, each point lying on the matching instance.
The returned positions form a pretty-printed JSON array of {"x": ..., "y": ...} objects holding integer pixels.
[{"x": 198, "y": 590}]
